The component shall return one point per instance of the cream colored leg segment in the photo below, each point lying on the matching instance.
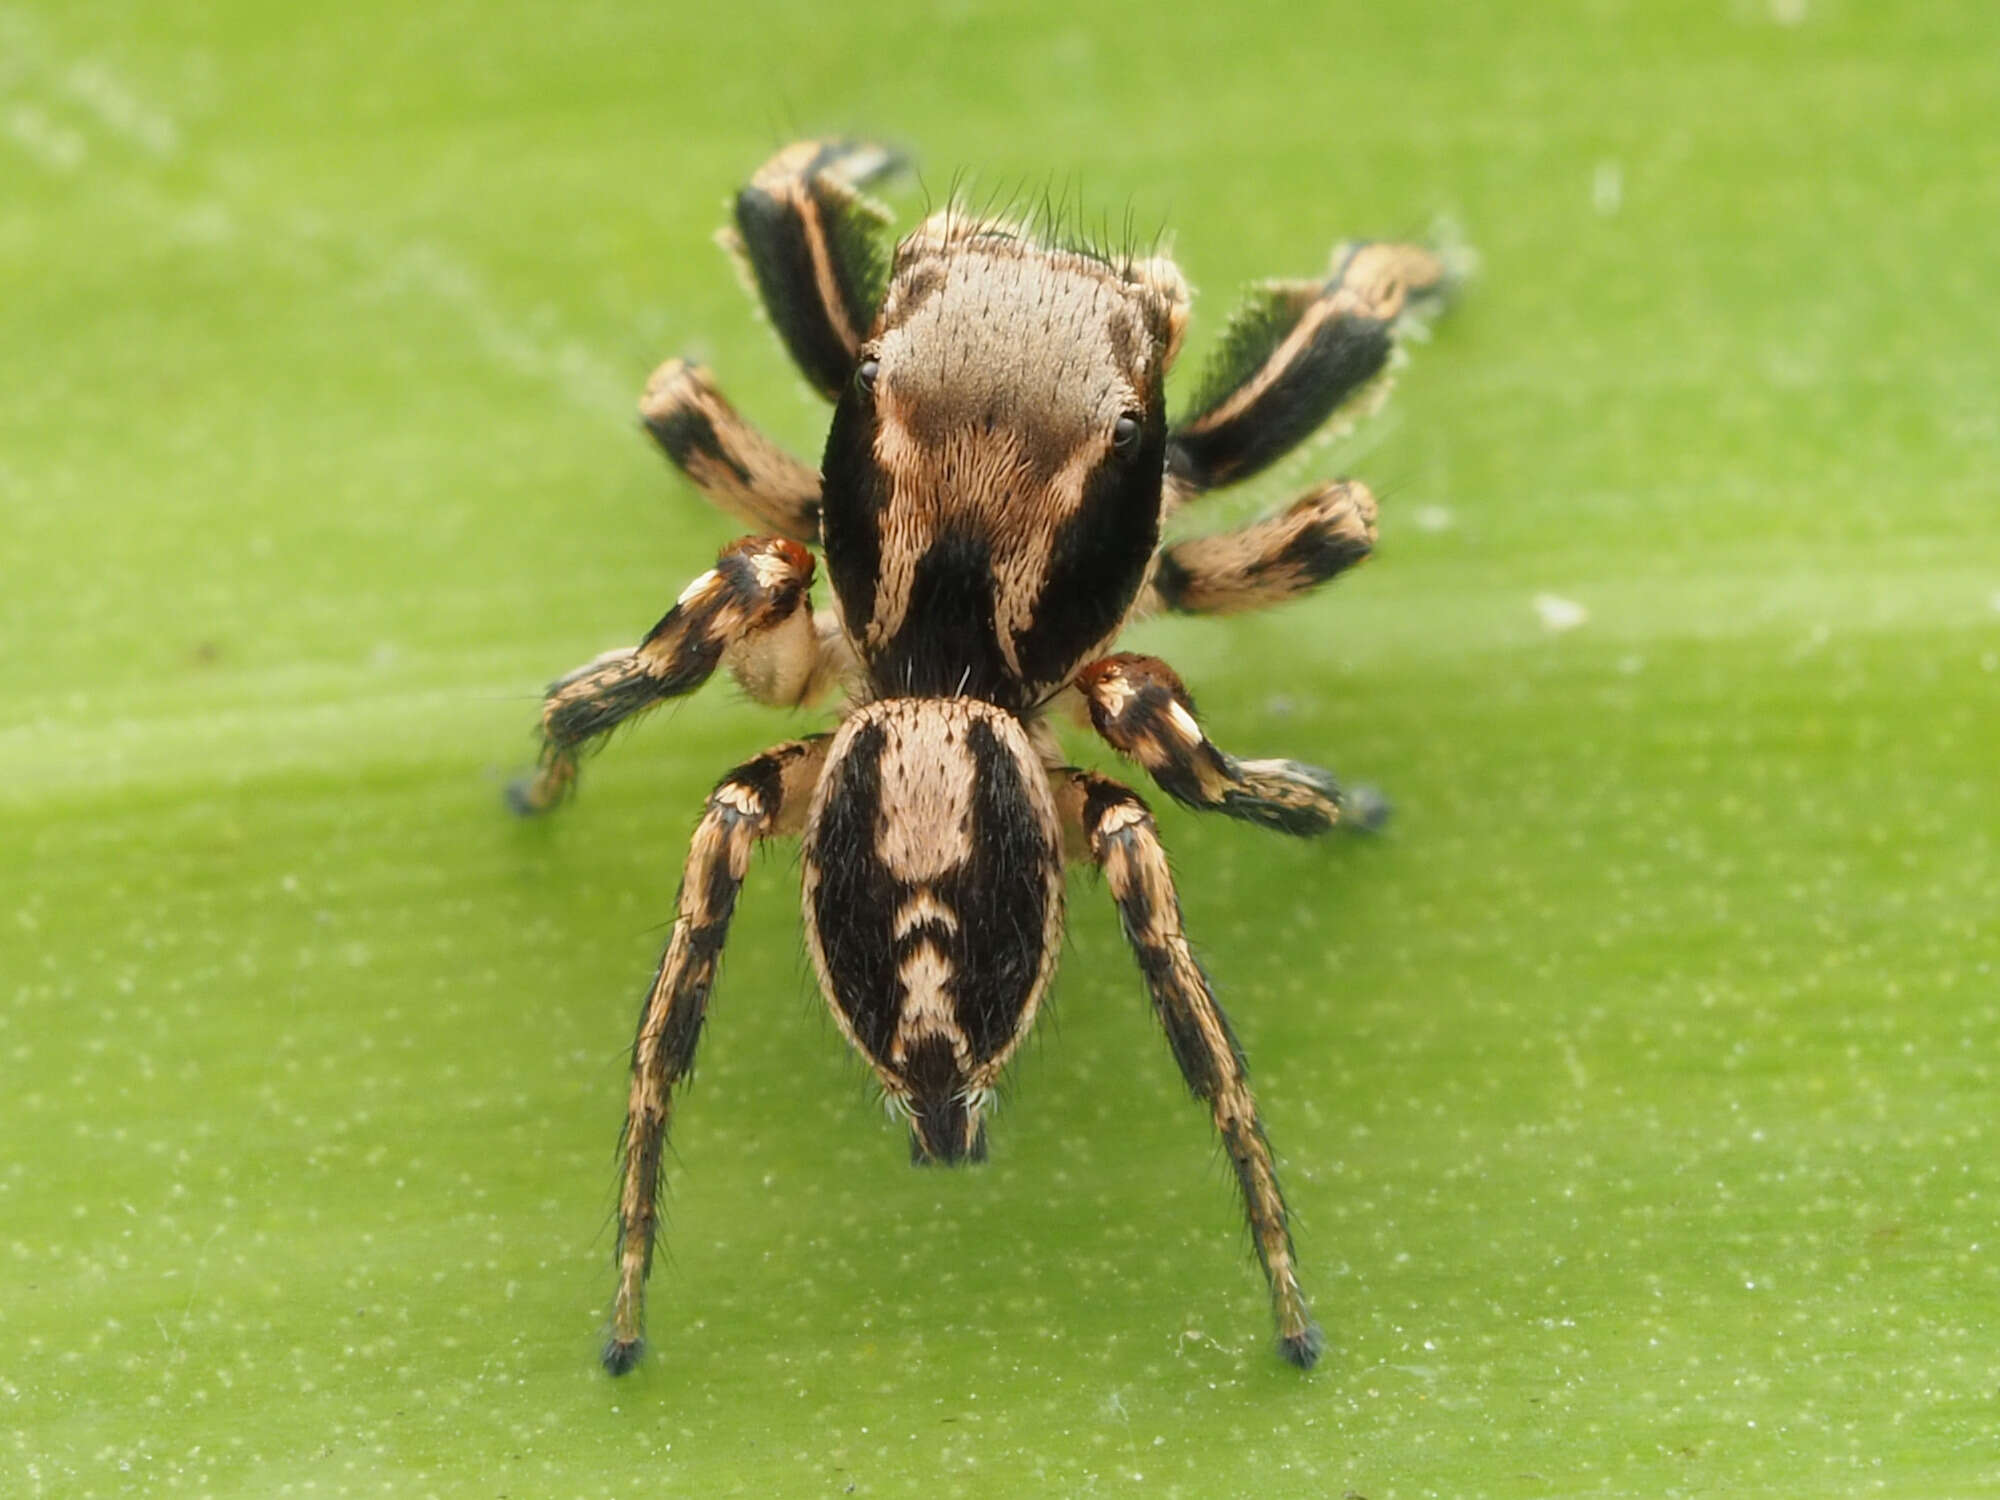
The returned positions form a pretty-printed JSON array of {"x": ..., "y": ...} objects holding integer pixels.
[
  {"x": 759, "y": 799},
  {"x": 1119, "y": 834},
  {"x": 751, "y": 609},
  {"x": 739, "y": 469}
]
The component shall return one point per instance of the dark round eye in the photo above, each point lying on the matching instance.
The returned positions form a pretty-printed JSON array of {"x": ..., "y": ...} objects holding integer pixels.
[
  {"x": 864, "y": 376},
  {"x": 1125, "y": 435}
]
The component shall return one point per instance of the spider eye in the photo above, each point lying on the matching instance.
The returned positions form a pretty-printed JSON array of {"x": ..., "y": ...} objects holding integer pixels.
[
  {"x": 865, "y": 373},
  {"x": 1125, "y": 435}
]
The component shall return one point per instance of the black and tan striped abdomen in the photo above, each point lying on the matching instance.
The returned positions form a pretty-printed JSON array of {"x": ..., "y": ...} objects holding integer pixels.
[{"x": 934, "y": 902}]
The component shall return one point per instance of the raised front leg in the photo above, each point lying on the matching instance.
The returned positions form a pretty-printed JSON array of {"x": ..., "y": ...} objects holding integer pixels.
[
  {"x": 1293, "y": 353},
  {"x": 1117, "y": 830},
  {"x": 739, "y": 469},
  {"x": 762, "y": 797},
  {"x": 810, "y": 242},
  {"x": 1139, "y": 706},
  {"x": 751, "y": 610},
  {"x": 1323, "y": 534}
]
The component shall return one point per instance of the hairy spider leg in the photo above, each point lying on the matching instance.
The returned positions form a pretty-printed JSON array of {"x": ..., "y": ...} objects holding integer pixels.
[
  {"x": 1117, "y": 830},
  {"x": 808, "y": 244},
  {"x": 737, "y": 469},
  {"x": 808, "y": 241},
  {"x": 1142, "y": 710},
  {"x": 751, "y": 611},
  {"x": 1293, "y": 353},
  {"x": 760, "y": 799},
  {"x": 1318, "y": 537}
]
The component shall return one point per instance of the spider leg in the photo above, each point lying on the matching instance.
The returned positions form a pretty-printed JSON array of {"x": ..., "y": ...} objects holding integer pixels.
[
  {"x": 806, "y": 236},
  {"x": 740, "y": 470},
  {"x": 750, "y": 611},
  {"x": 1322, "y": 534},
  {"x": 1293, "y": 353},
  {"x": 759, "y": 799},
  {"x": 1141, "y": 709},
  {"x": 1118, "y": 833}
]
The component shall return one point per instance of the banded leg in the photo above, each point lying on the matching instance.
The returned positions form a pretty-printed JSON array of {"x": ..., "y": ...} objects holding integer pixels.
[
  {"x": 1293, "y": 353},
  {"x": 808, "y": 239},
  {"x": 1323, "y": 534},
  {"x": 1140, "y": 707},
  {"x": 739, "y": 469},
  {"x": 751, "y": 610},
  {"x": 1119, "y": 834},
  {"x": 759, "y": 799}
]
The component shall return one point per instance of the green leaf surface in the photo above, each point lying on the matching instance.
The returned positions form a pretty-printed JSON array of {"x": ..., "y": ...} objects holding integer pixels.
[{"x": 1634, "y": 1092}]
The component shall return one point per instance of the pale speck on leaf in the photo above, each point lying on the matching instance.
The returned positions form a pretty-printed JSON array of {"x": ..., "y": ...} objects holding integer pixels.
[
  {"x": 1558, "y": 614},
  {"x": 1607, "y": 188}
]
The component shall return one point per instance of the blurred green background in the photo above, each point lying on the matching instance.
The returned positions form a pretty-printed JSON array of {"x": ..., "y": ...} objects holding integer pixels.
[{"x": 1635, "y": 1092}]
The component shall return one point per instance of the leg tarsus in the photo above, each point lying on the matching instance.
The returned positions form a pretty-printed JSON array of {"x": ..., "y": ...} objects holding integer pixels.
[
  {"x": 1365, "y": 809},
  {"x": 1419, "y": 280},
  {"x": 621, "y": 1356},
  {"x": 1287, "y": 795},
  {"x": 1302, "y": 1348},
  {"x": 541, "y": 790}
]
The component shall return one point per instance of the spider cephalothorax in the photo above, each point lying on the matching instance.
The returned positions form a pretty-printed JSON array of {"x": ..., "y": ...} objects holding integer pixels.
[{"x": 989, "y": 505}]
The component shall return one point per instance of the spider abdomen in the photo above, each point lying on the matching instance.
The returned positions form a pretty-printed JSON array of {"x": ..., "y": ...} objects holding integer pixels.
[{"x": 934, "y": 903}]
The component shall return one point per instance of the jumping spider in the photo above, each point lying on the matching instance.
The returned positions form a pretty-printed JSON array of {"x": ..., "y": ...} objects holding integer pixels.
[{"x": 989, "y": 506}]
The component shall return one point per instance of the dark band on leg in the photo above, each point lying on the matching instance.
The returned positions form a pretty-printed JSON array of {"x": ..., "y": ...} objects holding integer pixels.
[
  {"x": 1140, "y": 707},
  {"x": 809, "y": 240},
  {"x": 732, "y": 463},
  {"x": 1282, "y": 557},
  {"x": 1295, "y": 352},
  {"x": 1121, "y": 837},
  {"x": 760, "y": 798},
  {"x": 758, "y": 588}
]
